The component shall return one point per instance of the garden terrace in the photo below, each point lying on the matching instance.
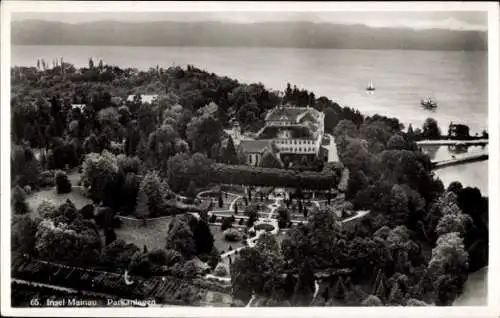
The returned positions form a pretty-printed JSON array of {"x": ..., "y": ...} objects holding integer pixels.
[
  {"x": 169, "y": 290},
  {"x": 257, "y": 176}
]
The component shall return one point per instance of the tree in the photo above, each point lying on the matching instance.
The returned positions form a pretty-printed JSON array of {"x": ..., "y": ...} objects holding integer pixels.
[
  {"x": 204, "y": 240},
  {"x": 118, "y": 254},
  {"x": 252, "y": 212},
  {"x": 221, "y": 270},
  {"x": 397, "y": 142},
  {"x": 221, "y": 202},
  {"x": 455, "y": 187},
  {"x": 154, "y": 190},
  {"x": 332, "y": 118},
  {"x": 18, "y": 201},
  {"x": 76, "y": 245},
  {"x": 23, "y": 230},
  {"x": 454, "y": 222},
  {"x": 110, "y": 235},
  {"x": 399, "y": 205},
  {"x": 161, "y": 146},
  {"x": 232, "y": 235},
  {"x": 63, "y": 185},
  {"x": 142, "y": 208},
  {"x": 226, "y": 224},
  {"x": 269, "y": 160},
  {"x": 99, "y": 171},
  {"x": 87, "y": 211},
  {"x": 181, "y": 238},
  {"x": 284, "y": 217},
  {"x": 430, "y": 129},
  {"x": 25, "y": 168},
  {"x": 448, "y": 266},
  {"x": 305, "y": 284},
  {"x": 256, "y": 270},
  {"x": 183, "y": 168},
  {"x": 191, "y": 190},
  {"x": 203, "y": 132},
  {"x": 396, "y": 296},
  {"x": 229, "y": 155},
  {"x": 345, "y": 128}
]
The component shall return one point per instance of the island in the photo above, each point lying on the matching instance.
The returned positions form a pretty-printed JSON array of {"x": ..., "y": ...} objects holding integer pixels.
[{"x": 178, "y": 186}]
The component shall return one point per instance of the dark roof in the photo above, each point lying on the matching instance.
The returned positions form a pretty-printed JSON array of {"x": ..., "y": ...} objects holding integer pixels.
[
  {"x": 253, "y": 146},
  {"x": 270, "y": 132},
  {"x": 288, "y": 112}
]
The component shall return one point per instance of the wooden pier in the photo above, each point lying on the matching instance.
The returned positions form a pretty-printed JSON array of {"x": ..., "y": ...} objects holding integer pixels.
[
  {"x": 466, "y": 158},
  {"x": 450, "y": 142}
]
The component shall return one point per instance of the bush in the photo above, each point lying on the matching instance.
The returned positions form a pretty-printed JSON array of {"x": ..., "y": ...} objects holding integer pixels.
[
  {"x": 212, "y": 218},
  {"x": 47, "y": 209},
  {"x": 27, "y": 190},
  {"x": 166, "y": 257},
  {"x": 19, "y": 201},
  {"x": 47, "y": 178},
  {"x": 185, "y": 270},
  {"x": 232, "y": 235},
  {"x": 372, "y": 300},
  {"x": 63, "y": 185},
  {"x": 217, "y": 298},
  {"x": 221, "y": 270},
  {"x": 87, "y": 211},
  {"x": 416, "y": 302},
  {"x": 226, "y": 224}
]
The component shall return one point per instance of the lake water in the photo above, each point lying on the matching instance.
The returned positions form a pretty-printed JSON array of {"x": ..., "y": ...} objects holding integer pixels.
[
  {"x": 456, "y": 80},
  {"x": 473, "y": 174}
]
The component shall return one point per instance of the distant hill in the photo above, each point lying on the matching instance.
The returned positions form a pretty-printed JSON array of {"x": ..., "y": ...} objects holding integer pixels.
[{"x": 268, "y": 34}]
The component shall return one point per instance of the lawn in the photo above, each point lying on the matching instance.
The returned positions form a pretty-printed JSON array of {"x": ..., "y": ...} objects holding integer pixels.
[
  {"x": 152, "y": 235},
  {"x": 36, "y": 198},
  {"x": 220, "y": 243}
]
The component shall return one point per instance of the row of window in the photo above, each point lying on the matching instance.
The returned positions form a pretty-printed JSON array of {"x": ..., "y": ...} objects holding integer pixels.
[
  {"x": 300, "y": 149},
  {"x": 296, "y": 142}
]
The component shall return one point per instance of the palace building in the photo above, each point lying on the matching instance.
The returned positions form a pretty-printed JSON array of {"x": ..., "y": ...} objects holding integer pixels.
[{"x": 293, "y": 132}]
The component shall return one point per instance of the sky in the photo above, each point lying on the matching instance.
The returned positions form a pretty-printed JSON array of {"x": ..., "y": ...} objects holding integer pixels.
[{"x": 454, "y": 20}]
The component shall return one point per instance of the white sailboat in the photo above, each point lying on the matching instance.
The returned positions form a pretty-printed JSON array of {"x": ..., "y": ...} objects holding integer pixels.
[{"x": 370, "y": 88}]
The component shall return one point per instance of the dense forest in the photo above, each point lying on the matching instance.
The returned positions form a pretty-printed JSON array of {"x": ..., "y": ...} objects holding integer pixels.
[{"x": 417, "y": 246}]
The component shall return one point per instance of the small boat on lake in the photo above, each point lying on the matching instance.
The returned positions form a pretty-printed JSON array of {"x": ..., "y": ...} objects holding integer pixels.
[
  {"x": 370, "y": 87},
  {"x": 428, "y": 103}
]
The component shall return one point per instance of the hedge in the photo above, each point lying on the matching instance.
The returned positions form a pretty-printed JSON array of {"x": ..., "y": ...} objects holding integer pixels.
[{"x": 258, "y": 176}]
